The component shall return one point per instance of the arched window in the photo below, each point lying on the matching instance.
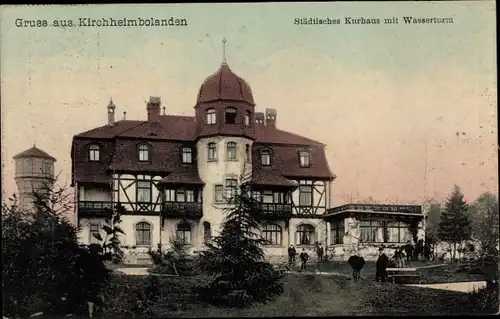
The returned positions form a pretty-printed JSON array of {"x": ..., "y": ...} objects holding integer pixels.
[
  {"x": 265, "y": 157},
  {"x": 187, "y": 155},
  {"x": 305, "y": 159},
  {"x": 184, "y": 232},
  {"x": 94, "y": 153},
  {"x": 230, "y": 115},
  {"x": 305, "y": 235},
  {"x": 211, "y": 117},
  {"x": 143, "y": 231},
  {"x": 143, "y": 151},
  {"x": 247, "y": 152},
  {"x": 272, "y": 234},
  {"x": 207, "y": 232},
  {"x": 212, "y": 151},
  {"x": 248, "y": 117},
  {"x": 231, "y": 151}
]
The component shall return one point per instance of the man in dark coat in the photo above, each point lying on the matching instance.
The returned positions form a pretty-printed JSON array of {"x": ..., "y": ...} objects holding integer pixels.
[
  {"x": 291, "y": 254},
  {"x": 357, "y": 263},
  {"x": 303, "y": 258},
  {"x": 381, "y": 265},
  {"x": 409, "y": 250},
  {"x": 320, "y": 251}
]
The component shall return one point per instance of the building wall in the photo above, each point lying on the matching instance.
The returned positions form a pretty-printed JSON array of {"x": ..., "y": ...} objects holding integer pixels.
[
  {"x": 84, "y": 236},
  {"x": 125, "y": 192},
  {"x": 215, "y": 172},
  {"x": 94, "y": 194},
  {"x": 320, "y": 194},
  {"x": 32, "y": 174},
  {"x": 352, "y": 244}
]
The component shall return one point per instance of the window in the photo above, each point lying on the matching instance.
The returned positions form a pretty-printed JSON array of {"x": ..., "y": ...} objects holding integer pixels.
[
  {"x": 143, "y": 153},
  {"x": 265, "y": 157},
  {"x": 144, "y": 191},
  {"x": 305, "y": 234},
  {"x": 184, "y": 232},
  {"x": 219, "y": 193},
  {"x": 143, "y": 231},
  {"x": 267, "y": 196},
  {"x": 247, "y": 118},
  {"x": 211, "y": 118},
  {"x": 247, "y": 152},
  {"x": 256, "y": 195},
  {"x": 189, "y": 195},
  {"x": 371, "y": 231},
  {"x": 337, "y": 233},
  {"x": 47, "y": 169},
  {"x": 305, "y": 195},
  {"x": 272, "y": 234},
  {"x": 230, "y": 115},
  {"x": 187, "y": 155},
  {"x": 180, "y": 196},
  {"x": 212, "y": 151},
  {"x": 231, "y": 187},
  {"x": 94, "y": 230},
  {"x": 279, "y": 198},
  {"x": 207, "y": 232},
  {"x": 397, "y": 232},
  {"x": 231, "y": 151},
  {"x": 305, "y": 159},
  {"x": 94, "y": 153}
]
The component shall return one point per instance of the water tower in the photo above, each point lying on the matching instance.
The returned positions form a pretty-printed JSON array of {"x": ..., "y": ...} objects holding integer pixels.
[{"x": 34, "y": 172}]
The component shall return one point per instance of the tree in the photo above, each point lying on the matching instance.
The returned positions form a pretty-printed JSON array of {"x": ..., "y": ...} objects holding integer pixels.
[
  {"x": 455, "y": 226},
  {"x": 111, "y": 246},
  {"x": 431, "y": 226},
  {"x": 484, "y": 214},
  {"x": 235, "y": 258}
]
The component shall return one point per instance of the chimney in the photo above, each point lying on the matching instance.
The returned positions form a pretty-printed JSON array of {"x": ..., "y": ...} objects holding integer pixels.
[
  {"x": 154, "y": 109},
  {"x": 124, "y": 115},
  {"x": 271, "y": 117},
  {"x": 111, "y": 113},
  {"x": 259, "y": 118}
]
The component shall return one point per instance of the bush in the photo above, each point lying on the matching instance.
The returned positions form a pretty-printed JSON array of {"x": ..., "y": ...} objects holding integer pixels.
[
  {"x": 482, "y": 301},
  {"x": 174, "y": 261},
  {"x": 44, "y": 268}
]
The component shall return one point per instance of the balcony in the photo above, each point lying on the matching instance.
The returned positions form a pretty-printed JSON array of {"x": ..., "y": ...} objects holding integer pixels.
[
  {"x": 94, "y": 208},
  {"x": 276, "y": 211},
  {"x": 182, "y": 210}
]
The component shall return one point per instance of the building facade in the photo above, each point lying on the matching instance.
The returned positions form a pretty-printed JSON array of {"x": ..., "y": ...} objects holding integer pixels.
[
  {"x": 34, "y": 172},
  {"x": 174, "y": 174}
]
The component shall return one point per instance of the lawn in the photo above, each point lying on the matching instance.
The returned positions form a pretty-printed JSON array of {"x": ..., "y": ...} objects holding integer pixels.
[
  {"x": 442, "y": 274},
  {"x": 304, "y": 295}
]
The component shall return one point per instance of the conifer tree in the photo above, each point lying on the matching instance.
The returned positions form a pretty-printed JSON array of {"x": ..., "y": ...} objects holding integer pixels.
[
  {"x": 235, "y": 258},
  {"x": 455, "y": 226}
]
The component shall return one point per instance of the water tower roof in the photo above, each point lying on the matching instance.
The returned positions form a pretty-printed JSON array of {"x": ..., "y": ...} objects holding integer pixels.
[{"x": 34, "y": 152}]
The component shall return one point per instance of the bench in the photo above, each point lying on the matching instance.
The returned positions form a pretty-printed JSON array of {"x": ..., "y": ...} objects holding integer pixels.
[{"x": 403, "y": 275}]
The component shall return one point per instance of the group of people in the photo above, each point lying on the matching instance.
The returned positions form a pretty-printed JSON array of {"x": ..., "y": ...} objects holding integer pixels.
[
  {"x": 304, "y": 256},
  {"x": 419, "y": 251}
]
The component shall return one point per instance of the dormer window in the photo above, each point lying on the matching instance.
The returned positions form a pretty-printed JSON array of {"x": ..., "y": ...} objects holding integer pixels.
[
  {"x": 248, "y": 116},
  {"x": 211, "y": 118},
  {"x": 94, "y": 153},
  {"x": 231, "y": 151},
  {"x": 230, "y": 115},
  {"x": 265, "y": 157},
  {"x": 305, "y": 159},
  {"x": 187, "y": 155},
  {"x": 143, "y": 151}
]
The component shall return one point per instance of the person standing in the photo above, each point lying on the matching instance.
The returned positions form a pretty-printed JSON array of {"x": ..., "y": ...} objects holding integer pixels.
[
  {"x": 291, "y": 255},
  {"x": 381, "y": 265},
  {"x": 357, "y": 263},
  {"x": 320, "y": 251},
  {"x": 303, "y": 258}
]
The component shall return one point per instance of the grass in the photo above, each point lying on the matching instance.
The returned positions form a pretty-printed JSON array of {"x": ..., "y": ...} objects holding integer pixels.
[
  {"x": 442, "y": 274},
  {"x": 304, "y": 295}
]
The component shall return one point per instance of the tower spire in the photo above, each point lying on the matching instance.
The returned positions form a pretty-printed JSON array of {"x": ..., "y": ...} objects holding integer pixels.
[{"x": 224, "y": 40}]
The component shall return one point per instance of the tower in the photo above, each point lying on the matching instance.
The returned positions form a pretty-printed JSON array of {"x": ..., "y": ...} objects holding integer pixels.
[
  {"x": 34, "y": 173},
  {"x": 111, "y": 113},
  {"x": 225, "y": 131}
]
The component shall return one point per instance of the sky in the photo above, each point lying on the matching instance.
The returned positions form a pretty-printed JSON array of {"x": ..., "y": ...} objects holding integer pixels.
[{"x": 406, "y": 111}]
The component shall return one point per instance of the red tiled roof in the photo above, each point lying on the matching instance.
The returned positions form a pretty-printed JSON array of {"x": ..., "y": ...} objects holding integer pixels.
[
  {"x": 268, "y": 177},
  {"x": 34, "y": 152},
  {"x": 186, "y": 177},
  {"x": 167, "y": 137},
  {"x": 225, "y": 85}
]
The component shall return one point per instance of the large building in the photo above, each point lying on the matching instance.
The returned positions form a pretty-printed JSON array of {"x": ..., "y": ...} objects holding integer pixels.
[
  {"x": 174, "y": 174},
  {"x": 34, "y": 173}
]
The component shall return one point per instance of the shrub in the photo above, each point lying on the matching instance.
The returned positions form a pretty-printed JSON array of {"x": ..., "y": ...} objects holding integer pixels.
[{"x": 174, "y": 261}]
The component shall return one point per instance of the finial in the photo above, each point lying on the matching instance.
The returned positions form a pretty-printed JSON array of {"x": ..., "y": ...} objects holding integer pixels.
[
  {"x": 124, "y": 115},
  {"x": 224, "y": 40},
  {"x": 164, "y": 110},
  {"x": 111, "y": 104},
  {"x": 34, "y": 143}
]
